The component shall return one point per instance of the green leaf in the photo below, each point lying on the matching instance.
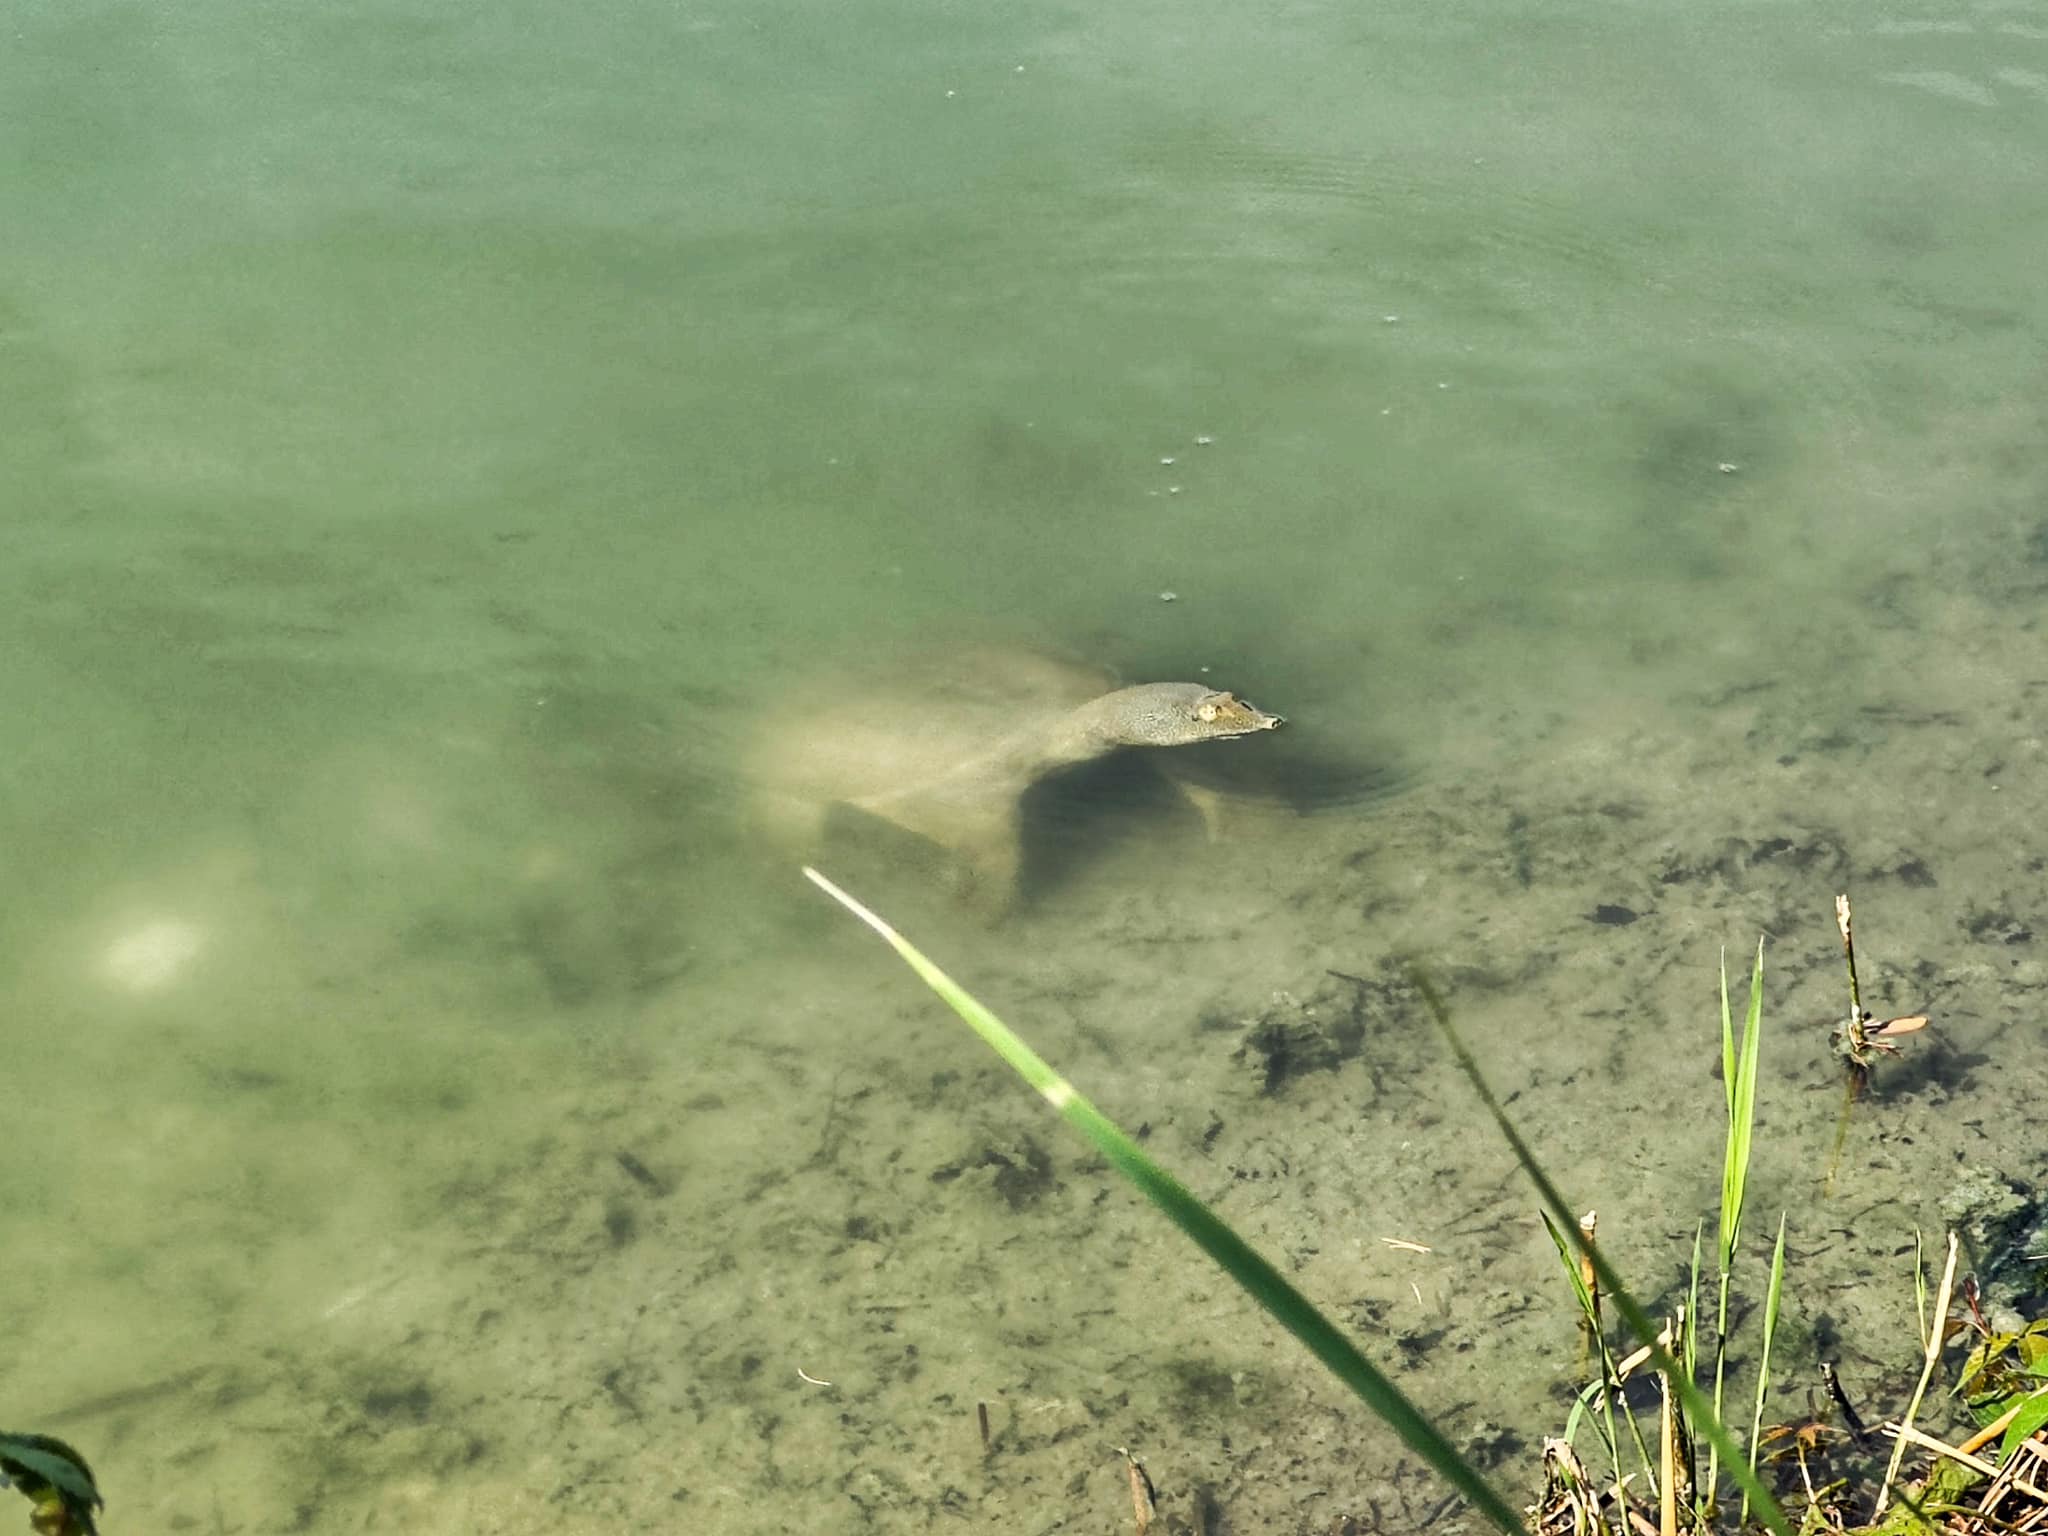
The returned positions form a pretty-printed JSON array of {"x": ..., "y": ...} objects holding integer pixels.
[
  {"x": 2025, "y": 1422},
  {"x": 1639, "y": 1321},
  {"x": 1741, "y": 1097},
  {"x": 1727, "y": 1041},
  {"x": 1580, "y": 1404},
  {"x": 1772, "y": 1296},
  {"x": 1692, "y": 1300},
  {"x": 38, "y": 1461},
  {"x": 1569, "y": 1255}
]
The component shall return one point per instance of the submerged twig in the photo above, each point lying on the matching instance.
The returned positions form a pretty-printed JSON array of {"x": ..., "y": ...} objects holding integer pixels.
[
  {"x": 1144, "y": 1498},
  {"x": 1851, "y": 1420}
]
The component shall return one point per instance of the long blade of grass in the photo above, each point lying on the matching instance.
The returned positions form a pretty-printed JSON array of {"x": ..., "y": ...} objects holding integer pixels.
[
  {"x": 1741, "y": 1095},
  {"x": 1692, "y": 1302},
  {"x": 1639, "y": 1322},
  {"x": 1609, "y": 1384},
  {"x": 1727, "y": 1040},
  {"x": 1587, "y": 1393},
  {"x": 1763, "y": 1365},
  {"x": 1703, "y": 1491},
  {"x": 1738, "y": 1067},
  {"x": 1266, "y": 1285},
  {"x": 1568, "y": 1256}
]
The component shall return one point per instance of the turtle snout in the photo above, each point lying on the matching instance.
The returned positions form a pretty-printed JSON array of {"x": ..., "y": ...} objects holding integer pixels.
[{"x": 1228, "y": 715}]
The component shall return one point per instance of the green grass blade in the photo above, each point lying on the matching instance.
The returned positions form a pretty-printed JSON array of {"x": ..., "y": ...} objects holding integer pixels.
[
  {"x": 1266, "y": 1284},
  {"x": 1609, "y": 1384},
  {"x": 2030, "y": 1418},
  {"x": 1741, "y": 1095},
  {"x": 1772, "y": 1297},
  {"x": 1572, "y": 1420},
  {"x": 1639, "y": 1321},
  {"x": 1738, "y": 1070},
  {"x": 1727, "y": 1040},
  {"x": 1569, "y": 1256},
  {"x": 1692, "y": 1302}
]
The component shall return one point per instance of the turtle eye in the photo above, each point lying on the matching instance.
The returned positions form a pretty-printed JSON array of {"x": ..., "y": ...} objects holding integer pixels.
[{"x": 1206, "y": 711}]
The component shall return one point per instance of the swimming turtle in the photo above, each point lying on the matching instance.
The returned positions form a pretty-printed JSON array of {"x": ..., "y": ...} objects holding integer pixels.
[{"x": 947, "y": 749}]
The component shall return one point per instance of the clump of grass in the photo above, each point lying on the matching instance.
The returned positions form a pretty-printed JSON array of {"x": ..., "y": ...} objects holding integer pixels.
[
  {"x": 1660, "y": 1346},
  {"x": 1675, "y": 1349},
  {"x": 1686, "y": 1411}
]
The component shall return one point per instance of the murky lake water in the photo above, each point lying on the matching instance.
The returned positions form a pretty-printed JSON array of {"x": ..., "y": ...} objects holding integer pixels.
[{"x": 434, "y": 435}]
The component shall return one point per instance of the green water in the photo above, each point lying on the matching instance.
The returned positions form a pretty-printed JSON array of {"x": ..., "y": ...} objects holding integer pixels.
[{"x": 433, "y": 433}]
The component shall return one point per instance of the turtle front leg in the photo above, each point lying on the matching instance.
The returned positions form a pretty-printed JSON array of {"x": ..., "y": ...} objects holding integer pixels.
[{"x": 1207, "y": 804}]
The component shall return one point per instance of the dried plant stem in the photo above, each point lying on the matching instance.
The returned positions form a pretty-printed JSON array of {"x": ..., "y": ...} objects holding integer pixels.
[
  {"x": 1143, "y": 1505},
  {"x": 1936, "y": 1326},
  {"x": 1926, "y": 1442},
  {"x": 1854, "y": 1073},
  {"x": 1993, "y": 1430}
]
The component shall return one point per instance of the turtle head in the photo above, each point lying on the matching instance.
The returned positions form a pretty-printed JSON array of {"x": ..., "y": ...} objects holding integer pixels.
[
  {"x": 1225, "y": 714},
  {"x": 1180, "y": 714}
]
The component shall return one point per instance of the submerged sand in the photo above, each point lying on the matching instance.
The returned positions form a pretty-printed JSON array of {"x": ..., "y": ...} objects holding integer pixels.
[{"x": 744, "y": 1244}]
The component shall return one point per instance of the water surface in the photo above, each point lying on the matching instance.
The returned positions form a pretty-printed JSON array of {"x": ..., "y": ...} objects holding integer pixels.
[{"x": 1611, "y": 435}]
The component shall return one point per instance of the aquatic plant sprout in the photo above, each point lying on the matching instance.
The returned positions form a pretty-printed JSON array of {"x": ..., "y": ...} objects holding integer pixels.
[
  {"x": 1738, "y": 1084},
  {"x": 1647, "y": 1333},
  {"x": 1266, "y": 1285}
]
